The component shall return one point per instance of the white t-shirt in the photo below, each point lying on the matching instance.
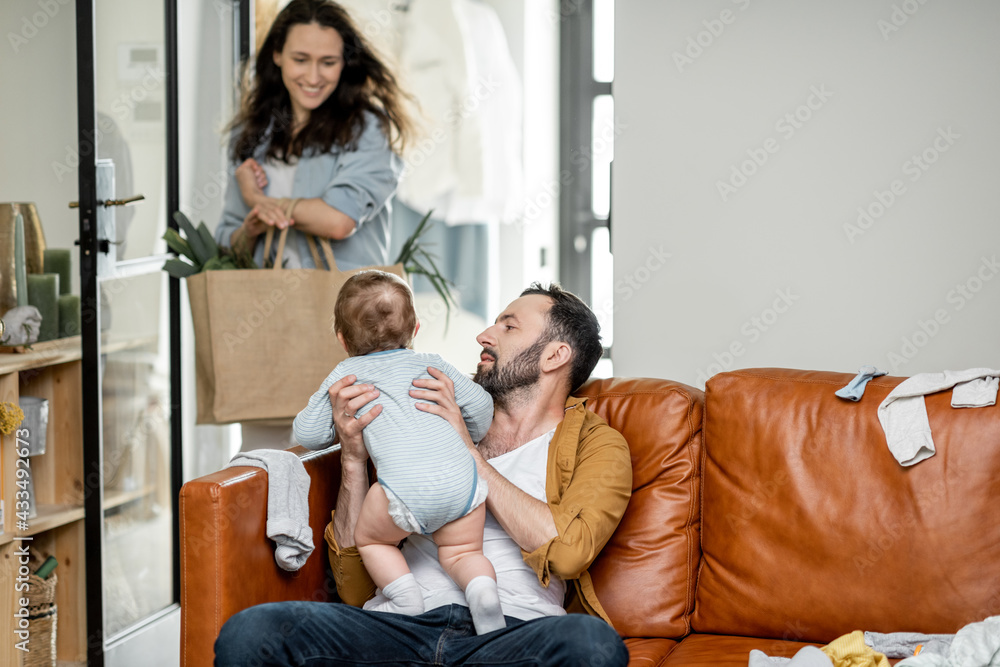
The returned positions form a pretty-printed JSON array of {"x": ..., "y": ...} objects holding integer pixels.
[
  {"x": 280, "y": 179},
  {"x": 521, "y": 596}
]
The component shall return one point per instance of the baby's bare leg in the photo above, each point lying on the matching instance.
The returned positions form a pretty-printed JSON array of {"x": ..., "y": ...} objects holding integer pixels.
[
  {"x": 460, "y": 551},
  {"x": 377, "y": 539},
  {"x": 460, "y": 548}
]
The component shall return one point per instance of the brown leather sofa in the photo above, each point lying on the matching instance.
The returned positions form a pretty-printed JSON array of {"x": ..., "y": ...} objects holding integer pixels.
[{"x": 766, "y": 513}]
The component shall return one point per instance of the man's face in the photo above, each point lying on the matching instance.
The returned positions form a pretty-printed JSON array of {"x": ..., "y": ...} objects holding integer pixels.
[{"x": 513, "y": 346}]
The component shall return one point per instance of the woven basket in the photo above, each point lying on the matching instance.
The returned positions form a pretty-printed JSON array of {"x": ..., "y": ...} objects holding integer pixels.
[{"x": 42, "y": 617}]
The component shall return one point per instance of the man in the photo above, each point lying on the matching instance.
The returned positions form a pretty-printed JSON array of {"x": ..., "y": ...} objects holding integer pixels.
[{"x": 559, "y": 480}]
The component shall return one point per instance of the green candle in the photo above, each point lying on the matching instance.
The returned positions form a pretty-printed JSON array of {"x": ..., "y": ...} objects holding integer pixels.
[
  {"x": 69, "y": 314},
  {"x": 43, "y": 294},
  {"x": 57, "y": 260},
  {"x": 20, "y": 266}
]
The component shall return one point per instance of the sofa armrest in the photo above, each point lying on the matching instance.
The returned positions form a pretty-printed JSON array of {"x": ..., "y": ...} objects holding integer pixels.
[{"x": 227, "y": 561}]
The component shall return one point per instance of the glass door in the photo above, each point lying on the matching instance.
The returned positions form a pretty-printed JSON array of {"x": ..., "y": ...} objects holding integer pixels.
[{"x": 126, "y": 84}]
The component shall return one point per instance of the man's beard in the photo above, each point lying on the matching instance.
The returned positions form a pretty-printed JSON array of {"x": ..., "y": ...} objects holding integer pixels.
[{"x": 502, "y": 381}]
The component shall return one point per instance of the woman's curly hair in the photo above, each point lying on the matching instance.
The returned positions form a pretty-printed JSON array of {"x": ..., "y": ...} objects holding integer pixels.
[{"x": 366, "y": 85}]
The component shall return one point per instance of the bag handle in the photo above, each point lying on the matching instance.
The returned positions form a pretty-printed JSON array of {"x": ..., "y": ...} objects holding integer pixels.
[{"x": 324, "y": 243}]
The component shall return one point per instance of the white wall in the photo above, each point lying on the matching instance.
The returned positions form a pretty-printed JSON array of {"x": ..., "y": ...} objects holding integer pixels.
[
  {"x": 776, "y": 269},
  {"x": 38, "y": 116}
]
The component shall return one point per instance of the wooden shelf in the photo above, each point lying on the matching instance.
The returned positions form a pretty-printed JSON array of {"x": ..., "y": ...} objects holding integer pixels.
[
  {"x": 53, "y": 370},
  {"x": 114, "y": 499},
  {"x": 63, "y": 350},
  {"x": 53, "y": 516},
  {"x": 49, "y": 353},
  {"x": 49, "y": 517}
]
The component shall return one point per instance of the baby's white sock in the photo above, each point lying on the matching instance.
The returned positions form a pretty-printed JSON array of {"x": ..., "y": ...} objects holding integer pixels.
[
  {"x": 404, "y": 597},
  {"x": 484, "y": 604}
]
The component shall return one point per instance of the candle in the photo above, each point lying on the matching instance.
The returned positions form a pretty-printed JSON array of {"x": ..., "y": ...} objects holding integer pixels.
[
  {"x": 57, "y": 260},
  {"x": 20, "y": 266},
  {"x": 43, "y": 294},
  {"x": 69, "y": 314}
]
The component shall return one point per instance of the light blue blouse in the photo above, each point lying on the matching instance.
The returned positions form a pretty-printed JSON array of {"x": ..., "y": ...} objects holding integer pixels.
[{"x": 358, "y": 183}]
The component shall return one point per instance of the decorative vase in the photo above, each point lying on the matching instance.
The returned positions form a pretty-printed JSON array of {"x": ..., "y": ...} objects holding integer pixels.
[{"x": 34, "y": 248}]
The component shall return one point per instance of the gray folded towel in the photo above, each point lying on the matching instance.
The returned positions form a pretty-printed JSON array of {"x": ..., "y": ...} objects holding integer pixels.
[
  {"x": 903, "y": 644},
  {"x": 287, "y": 503}
]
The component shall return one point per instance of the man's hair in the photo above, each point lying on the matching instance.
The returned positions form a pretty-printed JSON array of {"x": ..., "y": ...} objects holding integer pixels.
[
  {"x": 570, "y": 321},
  {"x": 374, "y": 312}
]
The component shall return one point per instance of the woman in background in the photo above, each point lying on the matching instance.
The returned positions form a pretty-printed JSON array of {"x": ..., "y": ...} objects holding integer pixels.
[
  {"x": 314, "y": 149},
  {"x": 312, "y": 144}
]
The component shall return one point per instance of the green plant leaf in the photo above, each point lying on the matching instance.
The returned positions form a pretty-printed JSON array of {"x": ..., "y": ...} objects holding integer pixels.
[
  {"x": 176, "y": 243},
  {"x": 202, "y": 252},
  {"x": 212, "y": 264},
  {"x": 179, "y": 269},
  {"x": 208, "y": 239},
  {"x": 411, "y": 244}
]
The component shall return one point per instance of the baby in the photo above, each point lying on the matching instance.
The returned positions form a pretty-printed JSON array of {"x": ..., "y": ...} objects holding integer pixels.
[{"x": 427, "y": 478}]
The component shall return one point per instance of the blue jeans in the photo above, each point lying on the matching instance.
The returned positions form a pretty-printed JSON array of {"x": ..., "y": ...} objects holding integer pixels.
[{"x": 321, "y": 633}]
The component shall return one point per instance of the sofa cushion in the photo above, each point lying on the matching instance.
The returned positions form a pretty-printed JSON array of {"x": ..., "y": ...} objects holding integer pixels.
[
  {"x": 726, "y": 651},
  {"x": 645, "y": 575},
  {"x": 648, "y": 651},
  {"x": 811, "y": 529}
]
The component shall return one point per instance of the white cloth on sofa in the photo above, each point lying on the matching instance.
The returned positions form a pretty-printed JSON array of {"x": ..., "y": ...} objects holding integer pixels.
[
  {"x": 808, "y": 656},
  {"x": 979, "y": 393},
  {"x": 975, "y": 645},
  {"x": 903, "y": 414},
  {"x": 287, "y": 504}
]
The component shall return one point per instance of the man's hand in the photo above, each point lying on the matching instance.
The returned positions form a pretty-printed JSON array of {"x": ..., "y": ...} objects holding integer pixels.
[
  {"x": 252, "y": 180},
  {"x": 346, "y": 398},
  {"x": 440, "y": 394},
  {"x": 526, "y": 519}
]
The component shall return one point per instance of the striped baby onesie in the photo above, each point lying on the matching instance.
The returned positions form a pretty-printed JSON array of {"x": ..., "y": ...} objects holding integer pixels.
[{"x": 420, "y": 459}]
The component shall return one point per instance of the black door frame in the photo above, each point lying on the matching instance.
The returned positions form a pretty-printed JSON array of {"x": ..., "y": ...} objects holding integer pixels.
[{"x": 90, "y": 246}]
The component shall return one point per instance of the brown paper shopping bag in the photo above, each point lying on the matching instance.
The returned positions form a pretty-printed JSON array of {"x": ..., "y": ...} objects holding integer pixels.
[{"x": 263, "y": 338}]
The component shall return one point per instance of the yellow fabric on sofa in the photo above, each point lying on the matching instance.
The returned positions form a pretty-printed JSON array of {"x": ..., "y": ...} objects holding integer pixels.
[{"x": 851, "y": 651}]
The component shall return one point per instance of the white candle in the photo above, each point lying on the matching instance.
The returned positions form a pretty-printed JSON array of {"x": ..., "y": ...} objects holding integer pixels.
[{"x": 20, "y": 267}]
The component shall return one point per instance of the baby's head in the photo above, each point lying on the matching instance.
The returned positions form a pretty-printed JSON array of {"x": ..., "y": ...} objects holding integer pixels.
[{"x": 374, "y": 312}]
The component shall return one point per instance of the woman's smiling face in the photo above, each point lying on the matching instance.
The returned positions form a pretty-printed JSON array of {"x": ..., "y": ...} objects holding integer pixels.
[{"x": 310, "y": 62}]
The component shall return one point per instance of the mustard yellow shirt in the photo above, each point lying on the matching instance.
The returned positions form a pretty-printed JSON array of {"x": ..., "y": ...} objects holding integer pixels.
[{"x": 588, "y": 484}]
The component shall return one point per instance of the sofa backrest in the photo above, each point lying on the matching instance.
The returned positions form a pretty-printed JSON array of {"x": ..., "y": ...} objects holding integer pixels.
[
  {"x": 811, "y": 529},
  {"x": 645, "y": 575}
]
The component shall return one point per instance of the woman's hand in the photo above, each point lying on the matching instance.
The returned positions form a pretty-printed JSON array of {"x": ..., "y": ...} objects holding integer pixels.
[
  {"x": 267, "y": 213},
  {"x": 252, "y": 180},
  {"x": 440, "y": 394},
  {"x": 346, "y": 398}
]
